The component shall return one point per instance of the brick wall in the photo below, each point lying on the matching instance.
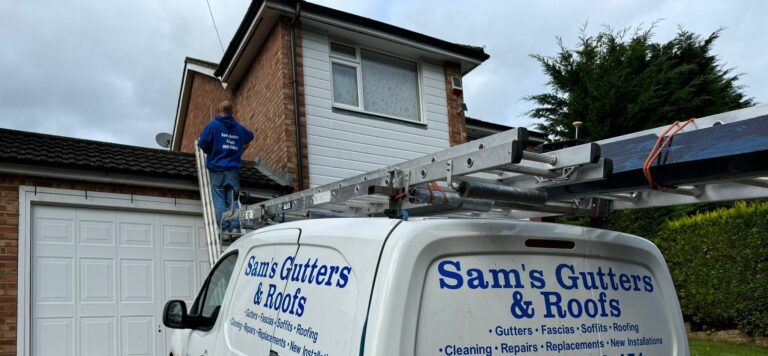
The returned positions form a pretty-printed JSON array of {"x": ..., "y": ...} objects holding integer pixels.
[
  {"x": 263, "y": 102},
  {"x": 9, "y": 237},
  {"x": 732, "y": 336},
  {"x": 457, "y": 125},
  {"x": 205, "y": 96}
]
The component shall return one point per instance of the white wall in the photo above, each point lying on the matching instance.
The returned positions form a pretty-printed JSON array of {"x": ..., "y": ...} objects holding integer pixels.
[{"x": 341, "y": 144}]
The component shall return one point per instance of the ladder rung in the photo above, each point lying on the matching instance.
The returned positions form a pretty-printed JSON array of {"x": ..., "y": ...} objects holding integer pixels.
[
  {"x": 529, "y": 171},
  {"x": 538, "y": 157}
]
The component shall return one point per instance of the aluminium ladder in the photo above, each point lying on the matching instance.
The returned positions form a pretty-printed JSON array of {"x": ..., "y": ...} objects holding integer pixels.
[
  {"x": 212, "y": 236},
  {"x": 716, "y": 158}
]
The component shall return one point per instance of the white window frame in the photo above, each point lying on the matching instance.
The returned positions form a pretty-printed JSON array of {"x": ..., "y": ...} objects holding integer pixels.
[{"x": 357, "y": 64}]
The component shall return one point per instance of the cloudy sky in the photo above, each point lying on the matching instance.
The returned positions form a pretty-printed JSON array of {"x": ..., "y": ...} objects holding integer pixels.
[{"x": 111, "y": 70}]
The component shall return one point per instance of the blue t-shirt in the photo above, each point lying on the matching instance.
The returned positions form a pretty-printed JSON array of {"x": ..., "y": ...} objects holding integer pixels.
[{"x": 223, "y": 140}]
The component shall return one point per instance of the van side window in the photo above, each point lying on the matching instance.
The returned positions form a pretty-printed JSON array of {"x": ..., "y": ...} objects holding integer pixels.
[{"x": 212, "y": 293}]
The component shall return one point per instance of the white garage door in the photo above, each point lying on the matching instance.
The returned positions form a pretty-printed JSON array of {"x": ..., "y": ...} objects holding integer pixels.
[{"x": 100, "y": 278}]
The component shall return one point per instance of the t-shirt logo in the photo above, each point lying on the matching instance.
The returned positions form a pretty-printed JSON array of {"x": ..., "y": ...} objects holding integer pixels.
[{"x": 230, "y": 142}]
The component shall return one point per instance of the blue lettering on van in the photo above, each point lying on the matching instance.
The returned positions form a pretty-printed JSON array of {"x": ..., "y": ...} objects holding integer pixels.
[
  {"x": 310, "y": 272},
  {"x": 604, "y": 280},
  {"x": 293, "y": 302},
  {"x": 442, "y": 268},
  {"x": 255, "y": 268},
  {"x": 476, "y": 279}
]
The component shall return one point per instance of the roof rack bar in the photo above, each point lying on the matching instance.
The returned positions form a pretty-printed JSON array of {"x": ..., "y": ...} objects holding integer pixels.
[
  {"x": 626, "y": 197},
  {"x": 321, "y": 214},
  {"x": 757, "y": 182},
  {"x": 549, "y": 209},
  {"x": 690, "y": 190},
  {"x": 717, "y": 158}
]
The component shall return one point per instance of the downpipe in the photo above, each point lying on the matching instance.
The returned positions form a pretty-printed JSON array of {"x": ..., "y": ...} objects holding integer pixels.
[{"x": 295, "y": 83}]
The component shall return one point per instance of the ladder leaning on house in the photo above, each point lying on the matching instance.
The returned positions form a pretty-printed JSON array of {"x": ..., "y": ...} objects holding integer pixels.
[
  {"x": 218, "y": 240},
  {"x": 213, "y": 236},
  {"x": 715, "y": 158}
]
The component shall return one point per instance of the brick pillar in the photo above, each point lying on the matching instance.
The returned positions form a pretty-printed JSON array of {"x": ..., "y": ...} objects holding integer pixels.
[{"x": 457, "y": 126}]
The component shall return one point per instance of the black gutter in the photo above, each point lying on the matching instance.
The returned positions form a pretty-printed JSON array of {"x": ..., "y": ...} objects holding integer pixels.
[
  {"x": 537, "y": 136},
  {"x": 296, "y": 107},
  {"x": 486, "y": 124},
  {"x": 475, "y": 53}
]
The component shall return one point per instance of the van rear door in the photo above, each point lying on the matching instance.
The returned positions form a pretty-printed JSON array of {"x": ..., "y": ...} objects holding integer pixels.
[{"x": 461, "y": 287}]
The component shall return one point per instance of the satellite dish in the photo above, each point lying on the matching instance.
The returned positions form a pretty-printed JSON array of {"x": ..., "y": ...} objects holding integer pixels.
[{"x": 164, "y": 139}]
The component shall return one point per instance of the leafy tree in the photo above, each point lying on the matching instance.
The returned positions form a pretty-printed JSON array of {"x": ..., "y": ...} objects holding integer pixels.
[{"x": 618, "y": 83}]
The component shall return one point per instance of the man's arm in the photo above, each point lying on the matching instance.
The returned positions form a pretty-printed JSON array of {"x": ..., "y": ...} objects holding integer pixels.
[
  {"x": 248, "y": 138},
  {"x": 205, "y": 142}
]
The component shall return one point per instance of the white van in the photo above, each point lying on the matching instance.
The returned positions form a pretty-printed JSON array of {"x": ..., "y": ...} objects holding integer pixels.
[{"x": 370, "y": 286}]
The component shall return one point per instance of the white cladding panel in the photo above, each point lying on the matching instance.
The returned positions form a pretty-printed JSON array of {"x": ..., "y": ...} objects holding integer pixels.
[
  {"x": 100, "y": 278},
  {"x": 342, "y": 144}
]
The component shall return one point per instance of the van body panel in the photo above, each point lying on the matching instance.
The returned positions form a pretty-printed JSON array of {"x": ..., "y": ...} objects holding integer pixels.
[
  {"x": 637, "y": 253},
  {"x": 248, "y": 327},
  {"x": 454, "y": 287},
  {"x": 315, "y": 297},
  {"x": 444, "y": 287}
]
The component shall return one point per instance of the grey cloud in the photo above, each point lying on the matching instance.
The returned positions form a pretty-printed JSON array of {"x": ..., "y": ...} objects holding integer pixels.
[
  {"x": 111, "y": 70},
  {"x": 511, "y": 30}
]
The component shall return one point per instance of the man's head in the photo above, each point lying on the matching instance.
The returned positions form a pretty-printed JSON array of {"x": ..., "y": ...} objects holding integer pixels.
[{"x": 225, "y": 108}]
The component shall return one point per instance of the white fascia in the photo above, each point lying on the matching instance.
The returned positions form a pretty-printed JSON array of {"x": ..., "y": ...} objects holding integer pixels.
[
  {"x": 243, "y": 44},
  {"x": 287, "y": 10},
  {"x": 183, "y": 103}
]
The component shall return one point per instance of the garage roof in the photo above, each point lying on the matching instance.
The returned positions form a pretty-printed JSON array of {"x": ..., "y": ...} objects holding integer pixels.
[{"x": 37, "y": 149}]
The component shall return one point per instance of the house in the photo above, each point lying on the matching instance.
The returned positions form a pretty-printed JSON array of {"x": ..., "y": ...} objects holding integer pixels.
[
  {"x": 94, "y": 238},
  {"x": 367, "y": 94}
]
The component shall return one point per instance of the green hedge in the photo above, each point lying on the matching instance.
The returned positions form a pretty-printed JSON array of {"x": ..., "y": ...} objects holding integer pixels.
[{"x": 719, "y": 263}]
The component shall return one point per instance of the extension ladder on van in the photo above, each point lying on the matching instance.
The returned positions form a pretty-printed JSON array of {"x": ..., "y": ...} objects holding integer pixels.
[{"x": 715, "y": 158}]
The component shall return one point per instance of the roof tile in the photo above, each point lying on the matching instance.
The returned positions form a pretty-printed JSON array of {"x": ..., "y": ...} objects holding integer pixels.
[{"x": 57, "y": 151}]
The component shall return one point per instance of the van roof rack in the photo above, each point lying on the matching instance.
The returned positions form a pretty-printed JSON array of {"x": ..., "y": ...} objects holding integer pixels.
[{"x": 714, "y": 158}]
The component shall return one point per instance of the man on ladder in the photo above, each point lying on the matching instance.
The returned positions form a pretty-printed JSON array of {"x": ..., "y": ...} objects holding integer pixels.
[{"x": 224, "y": 140}]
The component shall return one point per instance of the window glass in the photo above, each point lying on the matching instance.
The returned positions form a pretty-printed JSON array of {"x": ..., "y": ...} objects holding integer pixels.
[
  {"x": 345, "y": 84},
  {"x": 343, "y": 51},
  {"x": 217, "y": 287},
  {"x": 390, "y": 86}
]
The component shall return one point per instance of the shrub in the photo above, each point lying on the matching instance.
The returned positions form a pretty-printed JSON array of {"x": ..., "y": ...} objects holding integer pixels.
[{"x": 719, "y": 263}]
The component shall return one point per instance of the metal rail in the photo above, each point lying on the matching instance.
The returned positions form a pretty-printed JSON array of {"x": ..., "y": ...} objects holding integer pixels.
[{"x": 720, "y": 157}]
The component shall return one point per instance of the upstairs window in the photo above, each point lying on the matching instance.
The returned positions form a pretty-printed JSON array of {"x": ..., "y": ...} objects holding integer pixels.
[{"x": 375, "y": 83}]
